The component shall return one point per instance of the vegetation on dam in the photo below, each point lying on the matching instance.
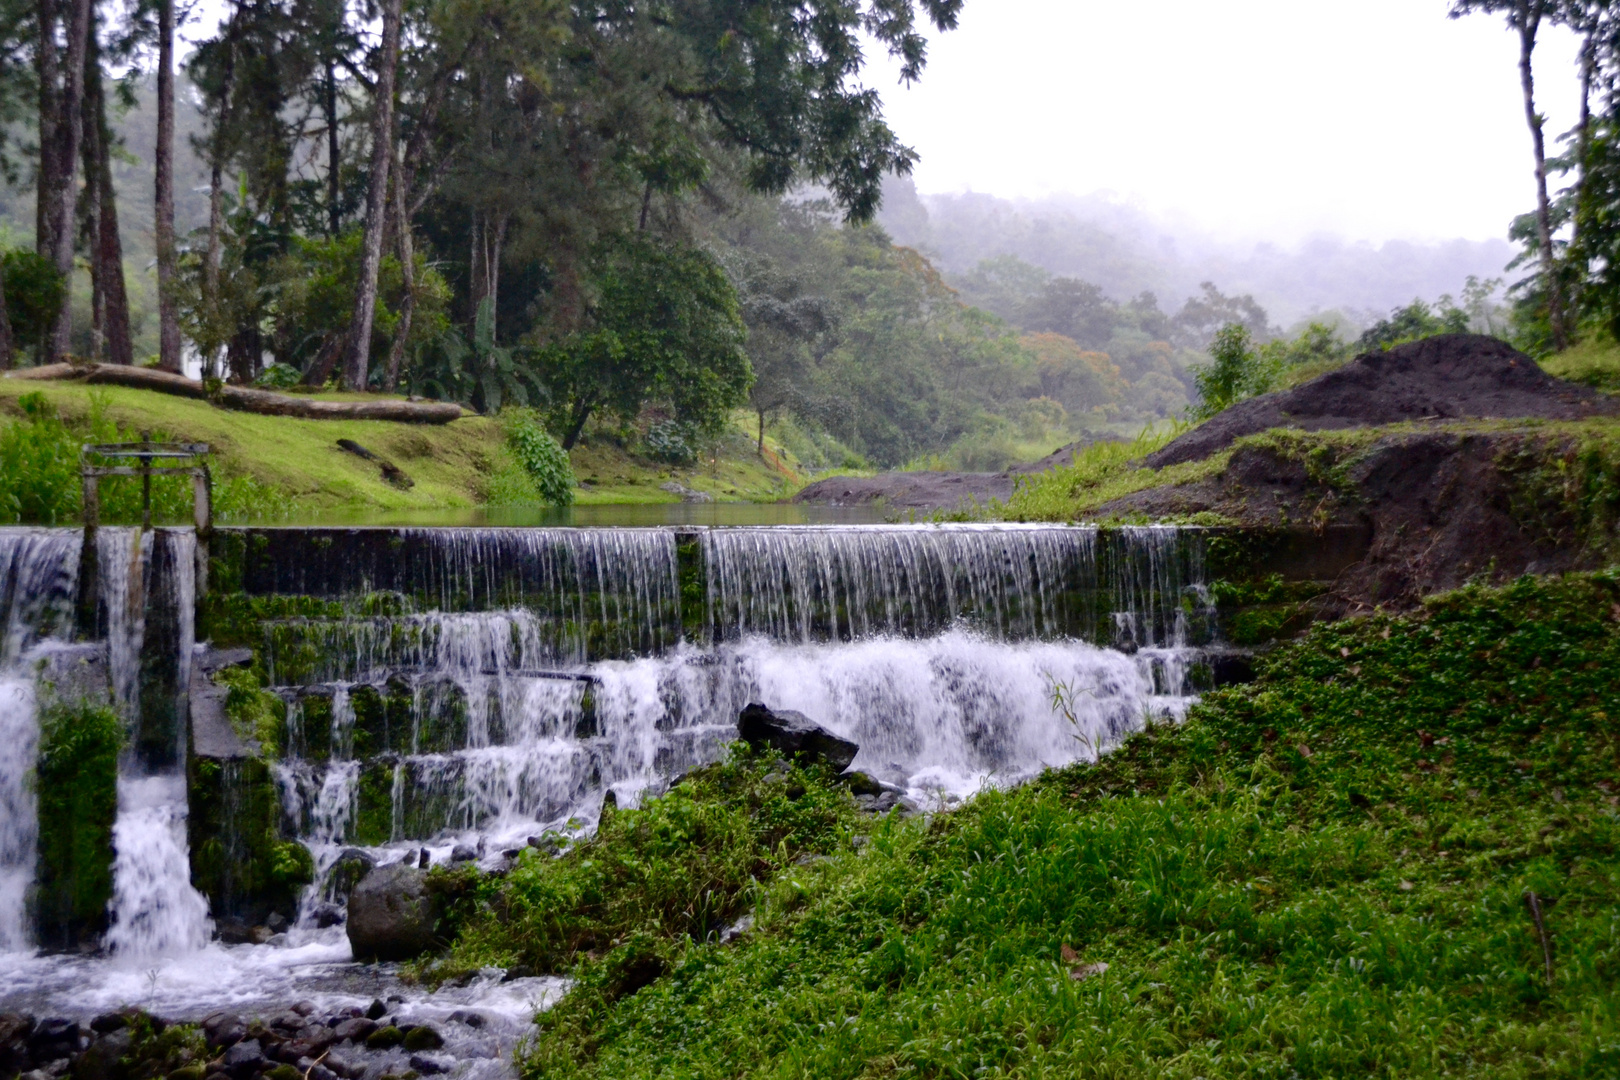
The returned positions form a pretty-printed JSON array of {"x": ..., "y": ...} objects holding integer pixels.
[{"x": 1393, "y": 854}]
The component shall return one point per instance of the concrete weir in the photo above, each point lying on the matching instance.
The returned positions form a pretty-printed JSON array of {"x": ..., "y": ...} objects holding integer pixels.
[{"x": 464, "y": 689}]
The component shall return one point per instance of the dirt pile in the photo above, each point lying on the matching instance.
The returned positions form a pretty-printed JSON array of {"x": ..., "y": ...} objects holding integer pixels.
[
  {"x": 1438, "y": 508},
  {"x": 1453, "y": 376}
]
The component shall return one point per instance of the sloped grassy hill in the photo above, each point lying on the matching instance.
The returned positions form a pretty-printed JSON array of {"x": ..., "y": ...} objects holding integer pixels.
[
  {"x": 280, "y": 466},
  {"x": 1325, "y": 873}
]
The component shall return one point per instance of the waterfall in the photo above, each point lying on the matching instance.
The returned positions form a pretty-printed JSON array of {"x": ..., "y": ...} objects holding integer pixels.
[
  {"x": 148, "y": 584},
  {"x": 38, "y": 574},
  {"x": 938, "y": 649}
]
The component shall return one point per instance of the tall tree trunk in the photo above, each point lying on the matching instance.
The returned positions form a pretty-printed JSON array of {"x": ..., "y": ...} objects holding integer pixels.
[
  {"x": 358, "y": 347},
  {"x": 488, "y": 238},
  {"x": 334, "y": 217},
  {"x": 48, "y": 70},
  {"x": 1528, "y": 23},
  {"x": 407, "y": 265},
  {"x": 163, "y": 185},
  {"x": 213, "y": 254},
  {"x": 6, "y": 359},
  {"x": 70, "y": 129},
  {"x": 1583, "y": 151},
  {"x": 110, "y": 303},
  {"x": 576, "y": 425},
  {"x": 90, "y": 202}
]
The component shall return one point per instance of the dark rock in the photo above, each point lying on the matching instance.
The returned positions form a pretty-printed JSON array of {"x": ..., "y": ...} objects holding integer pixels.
[
  {"x": 352, "y": 865},
  {"x": 423, "y": 1037},
  {"x": 312, "y": 1045},
  {"x": 790, "y": 732},
  {"x": 463, "y": 853},
  {"x": 304, "y": 1008},
  {"x": 326, "y": 915},
  {"x": 392, "y": 915},
  {"x": 344, "y": 1066},
  {"x": 277, "y": 922},
  {"x": 471, "y": 1019},
  {"x": 518, "y": 971},
  {"x": 233, "y": 931},
  {"x": 356, "y": 1029},
  {"x": 54, "y": 1038},
  {"x": 288, "y": 1022},
  {"x": 223, "y": 1029},
  {"x": 99, "y": 1061},
  {"x": 14, "y": 1031},
  {"x": 284, "y": 1072},
  {"x": 385, "y": 1038},
  {"x": 376, "y": 1010},
  {"x": 107, "y": 1023},
  {"x": 244, "y": 1059},
  {"x": 860, "y": 783},
  {"x": 319, "y": 1071},
  {"x": 423, "y": 859},
  {"x": 428, "y": 1066}
]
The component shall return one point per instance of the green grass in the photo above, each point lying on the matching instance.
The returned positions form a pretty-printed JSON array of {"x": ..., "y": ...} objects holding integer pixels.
[
  {"x": 1324, "y": 873},
  {"x": 293, "y": 468},
  {"x": 1595, "y": 362},
  {"x": 1101, "y": 473}
]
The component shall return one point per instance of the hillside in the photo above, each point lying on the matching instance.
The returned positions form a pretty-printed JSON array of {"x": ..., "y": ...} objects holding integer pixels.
[
  {"x": 1393, "y": 854},
  {"x": 293, "y": 469}
]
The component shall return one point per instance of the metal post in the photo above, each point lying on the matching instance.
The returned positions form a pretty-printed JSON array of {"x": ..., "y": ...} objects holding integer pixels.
[
  {"x": 202, "y": 508},
  {"x": 146, "y": 483}
]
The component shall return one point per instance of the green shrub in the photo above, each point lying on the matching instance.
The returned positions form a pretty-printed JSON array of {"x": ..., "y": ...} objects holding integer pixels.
[
  {"x": 33, "y": 295},
  {"x": 670, "y": 442},
  {"x": 541, "y": 456},
  {"x": 78, "y": 801}
]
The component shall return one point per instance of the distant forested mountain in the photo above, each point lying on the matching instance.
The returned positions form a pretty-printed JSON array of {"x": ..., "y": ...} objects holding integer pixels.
[{"x": 1126, "y": 252}]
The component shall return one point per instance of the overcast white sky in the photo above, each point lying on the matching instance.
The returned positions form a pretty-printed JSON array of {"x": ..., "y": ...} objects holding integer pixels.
[{"x": 1252, "y": 118}]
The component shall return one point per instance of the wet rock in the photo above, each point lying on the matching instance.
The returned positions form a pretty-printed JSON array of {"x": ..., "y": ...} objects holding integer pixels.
[
  {"x": 463, "y": 853},
  {"x": 284, "y": 1072},
  {"x": 244, "y": 1059},
  {"x": 518, "y": 971},
  {"x": 304, "y": 1008},
  {"x": 277, "y": 922},
  {"x": 471, "y": 1019},
  {"x": 260, "y": 935},
  {"x": 99, "y": 1061},
  {"x": 318, "y": 1071},
  {"x": 423, "y": 1037},
  {"x": 233, "y": 931},
  {"x": 385, "y": 1038},
  {"x": 14, "y": 1031},
  {"x": 326, "y": 915},
  {"x": 392, "y": 915},
  {"x": 430, "y": 1065},
  {"x": 107, "y": 1023},
  {"x": 312, "y": 1045},
  {"x": 352, "y": 865},
  {"x": 54, "y": 1039},
  {"x": 288, "y": 1022},
  {"x": 356, "y": 1029},
  {"x": 376, "y": 1010},
  {"x": 860, "y": 783},
  {"x": 223, "y": 1029},
  {"x": 346, "y": 1067},
  {"x": 790, "y": 732},
  {"x": 878, "y": 804}
]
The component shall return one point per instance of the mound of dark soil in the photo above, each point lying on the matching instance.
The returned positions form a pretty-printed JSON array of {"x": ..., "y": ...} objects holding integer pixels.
[
  {"x": 1453, "y": 376},
  {"x": 1437, "y": 509}
]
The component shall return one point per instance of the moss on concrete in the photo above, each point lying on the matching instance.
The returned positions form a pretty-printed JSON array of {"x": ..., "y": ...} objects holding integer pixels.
[{"x": 78, "y": 802}]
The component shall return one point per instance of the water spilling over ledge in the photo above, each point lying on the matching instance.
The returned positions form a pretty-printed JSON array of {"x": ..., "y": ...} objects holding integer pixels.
[{"x": 401, "y": 689}]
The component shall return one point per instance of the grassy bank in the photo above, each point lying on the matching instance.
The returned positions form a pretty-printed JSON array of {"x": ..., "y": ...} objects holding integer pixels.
[
  {"x": 1325, "y": 873},
  {"x": 277, "y": 467}
]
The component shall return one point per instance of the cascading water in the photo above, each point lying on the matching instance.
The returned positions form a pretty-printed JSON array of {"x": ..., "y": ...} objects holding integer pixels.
[
  {"x": 937, "y": 649},
  {"x": 473, "y": 687},
  {"x": 38, "y": 573},
  {"x": 155, "y": 911}
]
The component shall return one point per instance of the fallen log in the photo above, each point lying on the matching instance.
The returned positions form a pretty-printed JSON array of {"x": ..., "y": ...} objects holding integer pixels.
[{"x": 246, "y": 399}]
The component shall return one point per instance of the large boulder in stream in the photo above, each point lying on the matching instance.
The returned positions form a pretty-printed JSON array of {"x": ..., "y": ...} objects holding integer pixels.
[
  {"x": 392, "y": 915},
  {"x": 789, "y": 733}
]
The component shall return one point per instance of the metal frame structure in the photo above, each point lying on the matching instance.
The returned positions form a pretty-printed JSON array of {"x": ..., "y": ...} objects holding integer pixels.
[{"x": 146, "y": 451}]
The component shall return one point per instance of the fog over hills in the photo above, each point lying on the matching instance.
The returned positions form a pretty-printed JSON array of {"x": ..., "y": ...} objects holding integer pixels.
[{"x": 1127, "y": 251}]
